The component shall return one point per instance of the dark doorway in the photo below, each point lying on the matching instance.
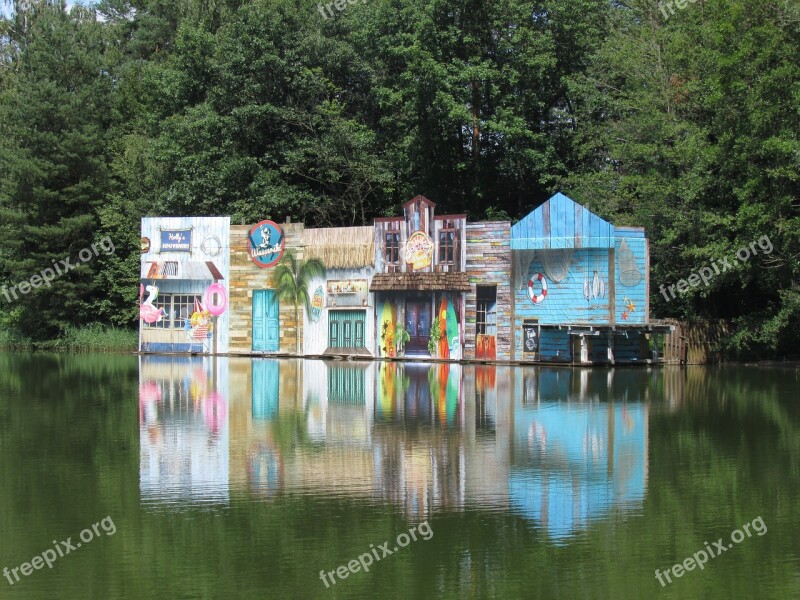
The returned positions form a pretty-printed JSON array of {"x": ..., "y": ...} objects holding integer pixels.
[{"x": 418, "y": 325}]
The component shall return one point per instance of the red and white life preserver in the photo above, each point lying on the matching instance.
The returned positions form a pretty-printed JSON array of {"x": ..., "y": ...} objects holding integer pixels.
[{"x": 537, "y": 298}]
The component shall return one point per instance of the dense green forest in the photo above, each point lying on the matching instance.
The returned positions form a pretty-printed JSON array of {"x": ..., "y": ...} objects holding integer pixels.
[{"x": 683, "y": 120}]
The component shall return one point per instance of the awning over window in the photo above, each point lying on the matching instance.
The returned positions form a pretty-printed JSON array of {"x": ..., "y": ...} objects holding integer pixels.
[
  {"x": 173, "y": 269},
  {"x": 428, "y": 282}
]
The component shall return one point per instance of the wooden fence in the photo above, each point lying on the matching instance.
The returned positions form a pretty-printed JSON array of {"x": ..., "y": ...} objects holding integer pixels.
[{"x": 694, "y": 343}]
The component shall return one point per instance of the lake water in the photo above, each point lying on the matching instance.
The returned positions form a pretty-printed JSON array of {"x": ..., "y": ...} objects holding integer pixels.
[{"x": 245, "y": 478}]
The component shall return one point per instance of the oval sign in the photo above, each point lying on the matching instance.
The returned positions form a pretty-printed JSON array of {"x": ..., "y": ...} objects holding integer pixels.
[
  {"x": 266, "y": 243},
  {"x": 419, "y": 250},
  {"x": 316, "y": 304}
]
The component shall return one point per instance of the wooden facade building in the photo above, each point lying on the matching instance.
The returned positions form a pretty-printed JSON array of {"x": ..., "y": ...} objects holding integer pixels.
[
  {"x": 181, "y": 259},
  {"x": 561, "y": 285},
  {"x": 581, "y": 288}
]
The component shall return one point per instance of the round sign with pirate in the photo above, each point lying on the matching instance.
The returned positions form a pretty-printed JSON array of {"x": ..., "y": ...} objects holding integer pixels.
[{"x": 266, "y": 243}]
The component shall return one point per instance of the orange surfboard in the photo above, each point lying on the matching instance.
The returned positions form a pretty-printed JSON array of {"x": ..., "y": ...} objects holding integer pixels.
[{"x": 444, "y": 346}]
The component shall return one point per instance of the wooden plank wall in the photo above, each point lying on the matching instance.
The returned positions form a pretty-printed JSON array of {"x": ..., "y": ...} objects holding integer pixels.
[
  {"x": 628, "y": 348},
  {"x": 562, "y": 223},
  {"x": 203, "y": 228},
  {"x": 488, "y": 262},
  {"x": 637, "y": 294},
  {"x": 315, "y": 339},
  {"x": 598, "y": 348},
  {"x": 246, "y": 277},
  {"x": 459, "y": 223},
  {"x": 565, "y": 301},
  {"x": 554, "y": 345},
  {"x": 383, "y": 226},
  {"x": 695, "y": 343},
  {"x": 419, "y": 216}
]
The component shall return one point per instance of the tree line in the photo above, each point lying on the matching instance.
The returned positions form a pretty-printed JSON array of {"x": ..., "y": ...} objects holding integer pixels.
[{"x": 687, "y": 125}]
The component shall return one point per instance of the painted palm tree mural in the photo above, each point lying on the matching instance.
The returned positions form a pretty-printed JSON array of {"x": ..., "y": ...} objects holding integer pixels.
[{"x": 293, "y": 279}]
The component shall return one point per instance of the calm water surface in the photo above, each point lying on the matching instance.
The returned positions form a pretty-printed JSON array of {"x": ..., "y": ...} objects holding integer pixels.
[{"x": 240, "y": 478}]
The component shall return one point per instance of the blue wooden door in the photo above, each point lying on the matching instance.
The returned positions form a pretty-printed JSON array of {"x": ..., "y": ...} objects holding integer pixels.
[
  {"x": 266, "y": 337},
  {"x": 266, "y": 385}
]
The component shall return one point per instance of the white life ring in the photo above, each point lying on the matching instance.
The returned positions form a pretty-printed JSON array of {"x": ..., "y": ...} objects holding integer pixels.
[{"x": 537, "y": 298}]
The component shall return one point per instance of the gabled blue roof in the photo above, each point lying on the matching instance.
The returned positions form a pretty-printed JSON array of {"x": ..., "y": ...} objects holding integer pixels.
[{"x": 561, "y": 223}]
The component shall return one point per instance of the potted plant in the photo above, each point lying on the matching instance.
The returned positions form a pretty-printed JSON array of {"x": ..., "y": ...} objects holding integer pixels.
[
  {"x": 435, "y": 336},
  {"x": 401, "y": 338}
]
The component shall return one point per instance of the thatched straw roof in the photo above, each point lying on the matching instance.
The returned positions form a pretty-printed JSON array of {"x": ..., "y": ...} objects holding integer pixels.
[{"x": 341, "y": 247}]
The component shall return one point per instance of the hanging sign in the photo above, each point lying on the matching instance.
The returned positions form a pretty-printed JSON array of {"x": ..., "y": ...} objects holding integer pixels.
[
  {"x": 419, "y": 250},
  {"x": 317, "y": 301},
  {"x": 266, "y": 243},
  {"x": 530, "y": 336},
  {"x": 347, "y": 286},
  {"x": 176, "y": 240}
]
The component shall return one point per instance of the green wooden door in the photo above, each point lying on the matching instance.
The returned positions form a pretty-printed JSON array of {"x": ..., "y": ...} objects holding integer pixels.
[{"x": 346, "y": 328}]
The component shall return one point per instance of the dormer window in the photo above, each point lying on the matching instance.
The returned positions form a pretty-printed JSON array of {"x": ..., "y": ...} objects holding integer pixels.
[
  {"x": 447, "y": 245},
  {"x": 393, "y": 247}
]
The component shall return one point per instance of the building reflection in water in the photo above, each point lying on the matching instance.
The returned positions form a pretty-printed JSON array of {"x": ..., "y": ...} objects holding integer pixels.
[
  {"x": 575, "y": 457},
  {"x": 183, "y": 429},
  {"x": 561, "y": 447}
]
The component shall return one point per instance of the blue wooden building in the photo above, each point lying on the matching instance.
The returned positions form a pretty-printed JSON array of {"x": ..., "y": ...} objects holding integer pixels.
[{"x": 581, "y": 288}]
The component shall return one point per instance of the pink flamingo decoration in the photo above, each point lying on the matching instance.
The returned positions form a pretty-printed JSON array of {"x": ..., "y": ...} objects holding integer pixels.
[
  {"x": 149, "y": 397},
  {"x": 147, "y": 312}
]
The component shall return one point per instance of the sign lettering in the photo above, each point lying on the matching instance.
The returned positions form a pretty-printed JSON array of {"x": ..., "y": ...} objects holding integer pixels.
[
  {"x": 419, "y": 250},
  {"x": 176, "y": 240},
  {"x": 266, "y": 243}
]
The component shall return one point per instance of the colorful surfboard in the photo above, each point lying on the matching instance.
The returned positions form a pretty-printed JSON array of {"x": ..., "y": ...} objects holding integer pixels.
[
  {"x": 444, "y": 346},
  {"x": 452, "y": 393},
  {"x": 437, "y": 386},
  {"x": 386, "y": 389},
  {"x": 387, "y": 316},
  {"x": 452, "y": 329},
  {"x": 395, "y": 324}
]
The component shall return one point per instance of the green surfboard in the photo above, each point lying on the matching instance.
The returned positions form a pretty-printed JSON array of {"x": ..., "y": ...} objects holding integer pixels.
[{"x": 452, "y": 329}]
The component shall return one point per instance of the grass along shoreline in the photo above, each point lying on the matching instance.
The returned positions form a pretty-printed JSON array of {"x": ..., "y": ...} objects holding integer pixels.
[{"x": 92, "y": 338}]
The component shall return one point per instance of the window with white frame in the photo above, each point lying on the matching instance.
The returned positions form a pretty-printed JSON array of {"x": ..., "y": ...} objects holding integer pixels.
[{"x": 179, "y": 309}]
